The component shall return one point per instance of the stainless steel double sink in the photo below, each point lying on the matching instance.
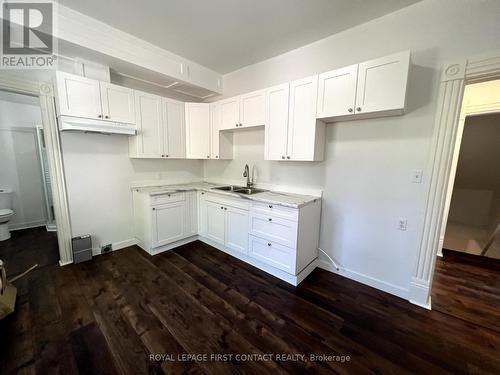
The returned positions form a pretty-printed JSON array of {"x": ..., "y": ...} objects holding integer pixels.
[{"x": 240, "y": 189}]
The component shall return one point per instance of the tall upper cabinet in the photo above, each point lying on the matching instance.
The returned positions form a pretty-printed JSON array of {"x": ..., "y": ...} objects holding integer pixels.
[
  {"x": 370, "y": 89},
  {"x": 292, "y": 131},
  {"x": 160, "y": 128},
  {"x": 197, "y": 130}
]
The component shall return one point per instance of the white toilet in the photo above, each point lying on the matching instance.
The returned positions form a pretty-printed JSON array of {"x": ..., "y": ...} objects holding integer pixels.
[{"x": 5, "y": 213}]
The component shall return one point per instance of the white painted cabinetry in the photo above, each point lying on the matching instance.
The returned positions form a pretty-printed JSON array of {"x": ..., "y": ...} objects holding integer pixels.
[
  {"x": 243, "y": 111},
  {"x": 164, "y": 221},
  {"x": 292, "y": 131},
  {"x": 221, "y": 142},
  {"x": 236, "y": 229},
  {"x": 174, "y": 130},
  {"x": 149, "y": 141},
  {"x": 369, "y": 89},
  {"x": 83, "y": 97},
  {"x": 197, "y": 130}
]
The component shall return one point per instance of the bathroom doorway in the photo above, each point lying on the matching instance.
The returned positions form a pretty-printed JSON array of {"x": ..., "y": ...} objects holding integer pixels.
[{"x": 27, "y": 220}]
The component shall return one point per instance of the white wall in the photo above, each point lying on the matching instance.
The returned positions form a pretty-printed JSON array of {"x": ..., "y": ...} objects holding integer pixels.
[
  {"x": 19, "y": 163},
  {"x": 368, "y": 163},
  {"x": 98, "y": 176}
]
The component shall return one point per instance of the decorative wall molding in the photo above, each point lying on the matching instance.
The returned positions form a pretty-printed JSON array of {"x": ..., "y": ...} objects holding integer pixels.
[
  {"x": 444, "y": 141},
  {"x": 45, "y": 93}
]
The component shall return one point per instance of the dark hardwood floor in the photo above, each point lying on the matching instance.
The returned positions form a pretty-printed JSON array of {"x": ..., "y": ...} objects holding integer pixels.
[{"x": 110, "y": 314}]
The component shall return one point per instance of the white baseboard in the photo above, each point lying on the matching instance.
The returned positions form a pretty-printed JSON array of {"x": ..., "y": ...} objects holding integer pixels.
[
  {"x": 27, "y": 225},
  {"x": 116, "y": 246},
  {"x": 365, "y": 279}
]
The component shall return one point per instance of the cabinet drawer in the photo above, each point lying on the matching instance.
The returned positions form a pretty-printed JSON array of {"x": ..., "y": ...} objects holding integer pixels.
[
  {"x": 273, "y": 254},
  {"x": 167, "y": 198},
  {"x": 276, "y": 210},
  {"x": 274, "y": 228}
]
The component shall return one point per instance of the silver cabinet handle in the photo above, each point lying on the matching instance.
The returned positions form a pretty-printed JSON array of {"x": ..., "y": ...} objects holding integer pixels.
[
  {"x": 349, "y": 110},
  {"x": 288, "y": 157},
  {"x": 225, "y": 208},
  {"x": 270, "y": 219},
  {"x": 269, "y": 244},
  {"x": 216, "y": 156},
  {"x": 282, "y": 157},
  {"x": 270, "y": 206},
  {"x": 99, "y": 116},
  {"x": 208, "y": 156},
  {"x": 107, "y": 116},
  {"x": 236, "y": 125},
  {"x": 221, "y": 207},
  {"x": 166, "y": 156},
  {"x": 154, "y": 209},
  {"x": 358, "y": 109}
]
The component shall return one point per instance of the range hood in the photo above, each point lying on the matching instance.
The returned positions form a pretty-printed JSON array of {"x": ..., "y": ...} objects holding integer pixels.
[{"x": 67, "y": 123}]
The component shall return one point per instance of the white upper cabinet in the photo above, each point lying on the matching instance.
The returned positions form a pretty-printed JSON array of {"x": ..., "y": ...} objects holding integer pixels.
[
  {"x": 78, "y": 96},
  {"x": 253, "y": 109},
  {"x": 221, "y": 142},
  {"x": 382, "y": 84},
  {"x": 117, "y": 103},
  {"x": 230, "y": 113},
  {"x": 337, "y": 92},
  {"x": 197, "y": 130},
  {"x": 174, "y": 130},
  {"x": 148, "y": 143},
  {"x": 276, "y": 131},
  {"x": 371, "y": 89},
  {"x": 305, "y": 135}
]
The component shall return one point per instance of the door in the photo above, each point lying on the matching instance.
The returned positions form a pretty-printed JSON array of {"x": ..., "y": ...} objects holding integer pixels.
[
  {"x": 276, "y": 132},
  {"x": 382, "y": 83},
  {"x": 215, "y": 124},
  {"x": 197, "y": 131},
  {"x": 149, "y": 125},
  {"x": 253, "y": 109},
  {"x": 302, "y": 119},
  {"x": 78, "y": 96},
  {"x": 236, "y": 236},
  {"x": 117, "y": 103},
  {"x": 337, "y": 92},
  {"x": 230, "y": 113},
  {"x": 215, "y": 222},
  {"x": 168, "y": 223},
  {"x": 174, "y": 129}
]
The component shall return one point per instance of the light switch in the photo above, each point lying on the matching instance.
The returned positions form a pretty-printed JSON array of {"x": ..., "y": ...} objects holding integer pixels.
[{"x": 416, "y": 176}]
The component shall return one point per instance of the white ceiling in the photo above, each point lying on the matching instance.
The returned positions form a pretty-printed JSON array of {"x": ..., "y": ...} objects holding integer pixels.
[{"x": 225, "y": 35}]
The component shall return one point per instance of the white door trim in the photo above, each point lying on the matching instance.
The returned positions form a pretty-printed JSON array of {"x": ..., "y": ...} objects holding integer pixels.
[
  {"x": 45, "y": 92},
  {"x": 446, "y": 130}
]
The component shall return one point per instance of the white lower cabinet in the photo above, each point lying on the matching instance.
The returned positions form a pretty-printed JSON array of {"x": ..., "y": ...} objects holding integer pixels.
[
  {"x": 168, "y": 223},
  {"x": 282, "y": 241},
  {"x": 226, "y": 225},
  {"x": 161, "y": 221}
]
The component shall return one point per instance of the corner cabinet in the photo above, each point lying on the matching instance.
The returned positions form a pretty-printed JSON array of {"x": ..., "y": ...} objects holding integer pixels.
[
  {"x": 371, "y": 89},
  {"x": 292, "y": 131}
]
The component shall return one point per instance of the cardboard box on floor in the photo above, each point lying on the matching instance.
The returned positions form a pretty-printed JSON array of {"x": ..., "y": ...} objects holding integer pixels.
[{"x": 7, "y": 300}]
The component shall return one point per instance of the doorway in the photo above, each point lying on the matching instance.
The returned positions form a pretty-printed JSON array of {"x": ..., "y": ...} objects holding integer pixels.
[{"x": 26, "y": 206}]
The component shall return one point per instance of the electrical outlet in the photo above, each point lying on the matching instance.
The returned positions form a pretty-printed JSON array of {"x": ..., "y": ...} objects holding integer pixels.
[
  {"x": 416, "y": 176},
  {"x": 402, "y": 223},
  {"x": 106, "y": 248}
]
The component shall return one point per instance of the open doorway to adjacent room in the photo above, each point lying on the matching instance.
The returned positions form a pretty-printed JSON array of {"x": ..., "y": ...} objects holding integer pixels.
[
  {"x": 28, "y": 233},
  {"x": 467, "y": 274}
]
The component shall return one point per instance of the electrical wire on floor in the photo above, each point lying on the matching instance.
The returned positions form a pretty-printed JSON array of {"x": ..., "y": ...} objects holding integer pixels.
[{"x": 330, "y": 258}]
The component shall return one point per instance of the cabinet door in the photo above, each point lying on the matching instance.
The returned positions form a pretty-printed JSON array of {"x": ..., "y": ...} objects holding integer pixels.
[
  {"x": 78, "y": 96},
  {"x": 276, "y": 132},
  {"x": 168, "y": 223},
  {"x": 382, "y": 83},
  {"x": 197, "y": 131},
  {"x": 191, "y": 213},
  {"x": 215, "y": 222},
  {"x": 302, "y": 119},
  {"x": 117, "y": 103},
  {"x": 202, "y": 213},
  {"x": 253, "y": 109},
  {"x": 236, "y": 236},
  {"x": 337, "y": 92},
  {"x": 174, "y": 129},
  {"x": 230, "y": 113},
  {"x": 149, "y": 139},
  {"x": 215, "y": 125}
]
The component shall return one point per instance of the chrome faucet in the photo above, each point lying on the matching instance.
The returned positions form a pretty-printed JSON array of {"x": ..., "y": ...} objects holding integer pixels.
[{"x": 246, "y": 173}]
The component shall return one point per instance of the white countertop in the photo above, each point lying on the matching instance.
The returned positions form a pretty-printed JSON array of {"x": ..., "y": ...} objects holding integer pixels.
[{"x": 273, "y": 197}]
